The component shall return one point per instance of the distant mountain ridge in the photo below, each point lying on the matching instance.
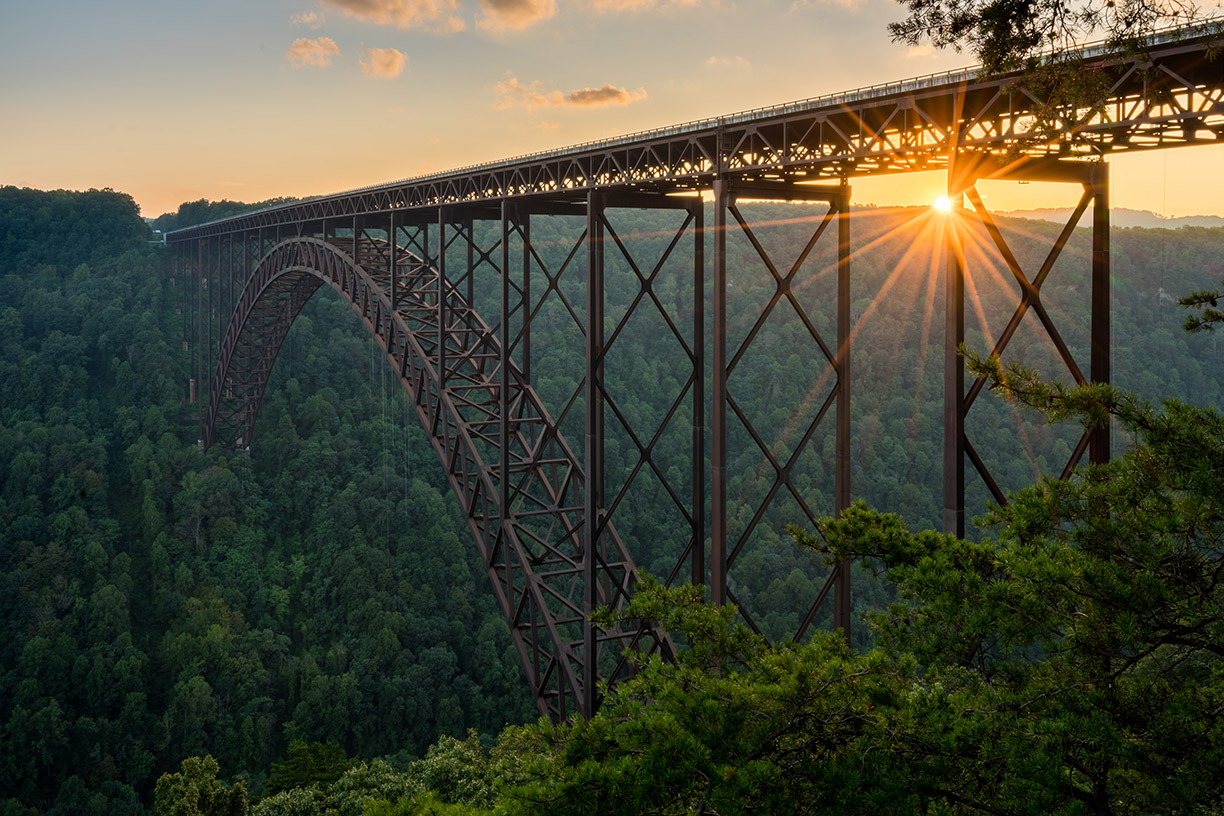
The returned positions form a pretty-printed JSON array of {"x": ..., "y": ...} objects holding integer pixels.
[{"x": 1122, "y": 217}]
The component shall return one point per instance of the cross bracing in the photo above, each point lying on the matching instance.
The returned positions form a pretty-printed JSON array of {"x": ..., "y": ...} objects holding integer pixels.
[{"x": 452, "y": 303}]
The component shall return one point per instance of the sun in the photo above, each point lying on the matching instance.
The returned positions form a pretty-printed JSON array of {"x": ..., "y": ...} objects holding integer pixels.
[{"x": 943, "y": 204}]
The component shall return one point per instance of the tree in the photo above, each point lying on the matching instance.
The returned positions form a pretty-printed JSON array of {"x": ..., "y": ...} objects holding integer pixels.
[
  {"x": 319, "y": 763},
  {"x": 1038, "y": 37},
  {"x": 1207, "y": 304},
  {"x": 732, "y": 727},
  {"x": 458, "y": 771},
  {"x": 196, "y": 792},
  {"x": 1070, "y": 663},
  {"x": 1077, "y": 654},
  {"x": 1008, "y": 35}
]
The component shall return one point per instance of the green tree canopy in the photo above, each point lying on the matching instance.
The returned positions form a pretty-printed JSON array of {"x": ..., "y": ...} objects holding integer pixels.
[
  {"x": 195, "y": 791},
  {"x": 1069, "y": 663}
]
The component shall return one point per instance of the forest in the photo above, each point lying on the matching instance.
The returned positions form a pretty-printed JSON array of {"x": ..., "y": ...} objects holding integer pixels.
[{"x": 306, "y": 628}]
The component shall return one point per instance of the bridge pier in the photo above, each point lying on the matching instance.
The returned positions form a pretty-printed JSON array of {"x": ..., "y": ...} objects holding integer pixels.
[
  {"x": 727, "y": 545},
  {"x": 966, "y": 169}
]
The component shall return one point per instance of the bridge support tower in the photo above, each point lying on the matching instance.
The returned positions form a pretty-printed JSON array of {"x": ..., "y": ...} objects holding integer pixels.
[{"x": 966, "y": 169}]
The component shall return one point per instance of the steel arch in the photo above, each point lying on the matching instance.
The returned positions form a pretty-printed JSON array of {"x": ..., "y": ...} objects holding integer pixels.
[{"x": 519, "y": 485}]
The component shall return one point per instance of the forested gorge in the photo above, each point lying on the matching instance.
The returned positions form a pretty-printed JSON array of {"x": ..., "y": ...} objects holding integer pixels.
[
  {"x": 318, "y": 596},
  {"x": 161, "y": 602}
]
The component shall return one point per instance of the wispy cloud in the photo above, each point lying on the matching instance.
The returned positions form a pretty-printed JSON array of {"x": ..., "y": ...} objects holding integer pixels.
[
  {"x": 604, "y": 95},
  {"x": 534, "y": 96},
  {"x": 498, "y": 15},
  {"x": 310, "y": 19},
  {"x": 812, "y": 4},
  {"x": 439, "y": 16},
  {"x": 384, "y": 63},
  {"x": 719, "y": 62},
  {"x": 641, "y": 5},
  {"x": 318, "y": 52},
  {"x": 919, "y": 51}
]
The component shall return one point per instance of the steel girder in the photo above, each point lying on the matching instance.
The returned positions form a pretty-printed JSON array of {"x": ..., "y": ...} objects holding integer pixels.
[
  {"x": 1171, "y": 94},
  {"x": 522, "y": 489},
  {"x": 968, "y": 168}
]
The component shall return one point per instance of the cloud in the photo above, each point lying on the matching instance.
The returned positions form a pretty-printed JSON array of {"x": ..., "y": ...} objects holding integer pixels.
[
  {"x": 310, "y": 19},
  {"x": 312, "y": 52},
  {"x": 919, "y": 51},
  {"x": 514, "y": 14},
  {"x": 812, "y": 4},
  {"x": 530, "y": 95},
  {"x": 604, "y": 95},
  {"x": 718, "y": 62},
  {"x": 384, "y": 63},
  {"x": 534, "y": 96},
  {"x": 640, "y": 5},
  {"x": 439, "y": 16}
]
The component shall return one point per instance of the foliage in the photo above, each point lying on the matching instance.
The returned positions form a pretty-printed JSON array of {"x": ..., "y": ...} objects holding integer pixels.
[
  {"x": 1069, "y": 664},
  {"x": 733, "y": 727},
  {"x": 349, "y": 795},
  {"x": 426, "y": 804},
  {"x": 1038, "y": 39},
  {"x": 1006, "y": 35},
  {"x": 159, "y": 602},
  {"x": 196, "y": 792},
  {"x": 317, "y": 763},
  {"x": 458, "y": 771},
  {"x": 1207, "y": 302}
]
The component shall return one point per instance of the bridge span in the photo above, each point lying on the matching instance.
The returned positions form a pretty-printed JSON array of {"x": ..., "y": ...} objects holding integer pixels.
[{"x": 445, "y": 273}]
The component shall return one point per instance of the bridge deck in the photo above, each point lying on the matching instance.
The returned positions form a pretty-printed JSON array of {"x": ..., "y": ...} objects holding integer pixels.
[{"x": 1170, "y": 95}]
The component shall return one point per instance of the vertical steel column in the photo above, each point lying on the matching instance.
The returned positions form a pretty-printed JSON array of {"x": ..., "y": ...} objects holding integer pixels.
[
  {"x": 441, "y": 286},
  {"x": 393, "y": 261},
  {"x": 1099, "y": 367},
  {"x": 699, "y": 418},
  {"x": 524, "y": 224},
  {"x": 230, "y": 297},
  {"x": 841, "y": 487},
  {"x": 954, "y": 367},
  {"x": 594, "y": 459},
  {"x": 425, "y": 240},
  {"x": 469, "y": 224},
  {"x": 225, "y": 284},
  {"x": 503, "y": 385},
  {"x": 246, "y": 263},
  {"x": 718, "y": 402}
]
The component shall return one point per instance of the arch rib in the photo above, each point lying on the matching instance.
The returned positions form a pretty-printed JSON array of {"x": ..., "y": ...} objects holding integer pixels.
[{"x": 529, "y": 535}]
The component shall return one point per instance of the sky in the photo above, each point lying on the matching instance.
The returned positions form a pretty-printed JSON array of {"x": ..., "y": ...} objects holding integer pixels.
[{"x": 177, "y": 100}]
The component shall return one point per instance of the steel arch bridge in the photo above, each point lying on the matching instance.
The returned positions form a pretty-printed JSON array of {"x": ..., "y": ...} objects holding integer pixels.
[{"x": 446, "y": 276}]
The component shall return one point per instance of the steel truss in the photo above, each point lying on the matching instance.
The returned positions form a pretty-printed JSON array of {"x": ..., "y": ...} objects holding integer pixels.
[
  {"x": 540, "y": 513},
  {"x": 725, "y": 546},
  {"x": 424, "y": 260},
  {"x": 966, "y": 170},
  {"x": 1170, "y": 94}
]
